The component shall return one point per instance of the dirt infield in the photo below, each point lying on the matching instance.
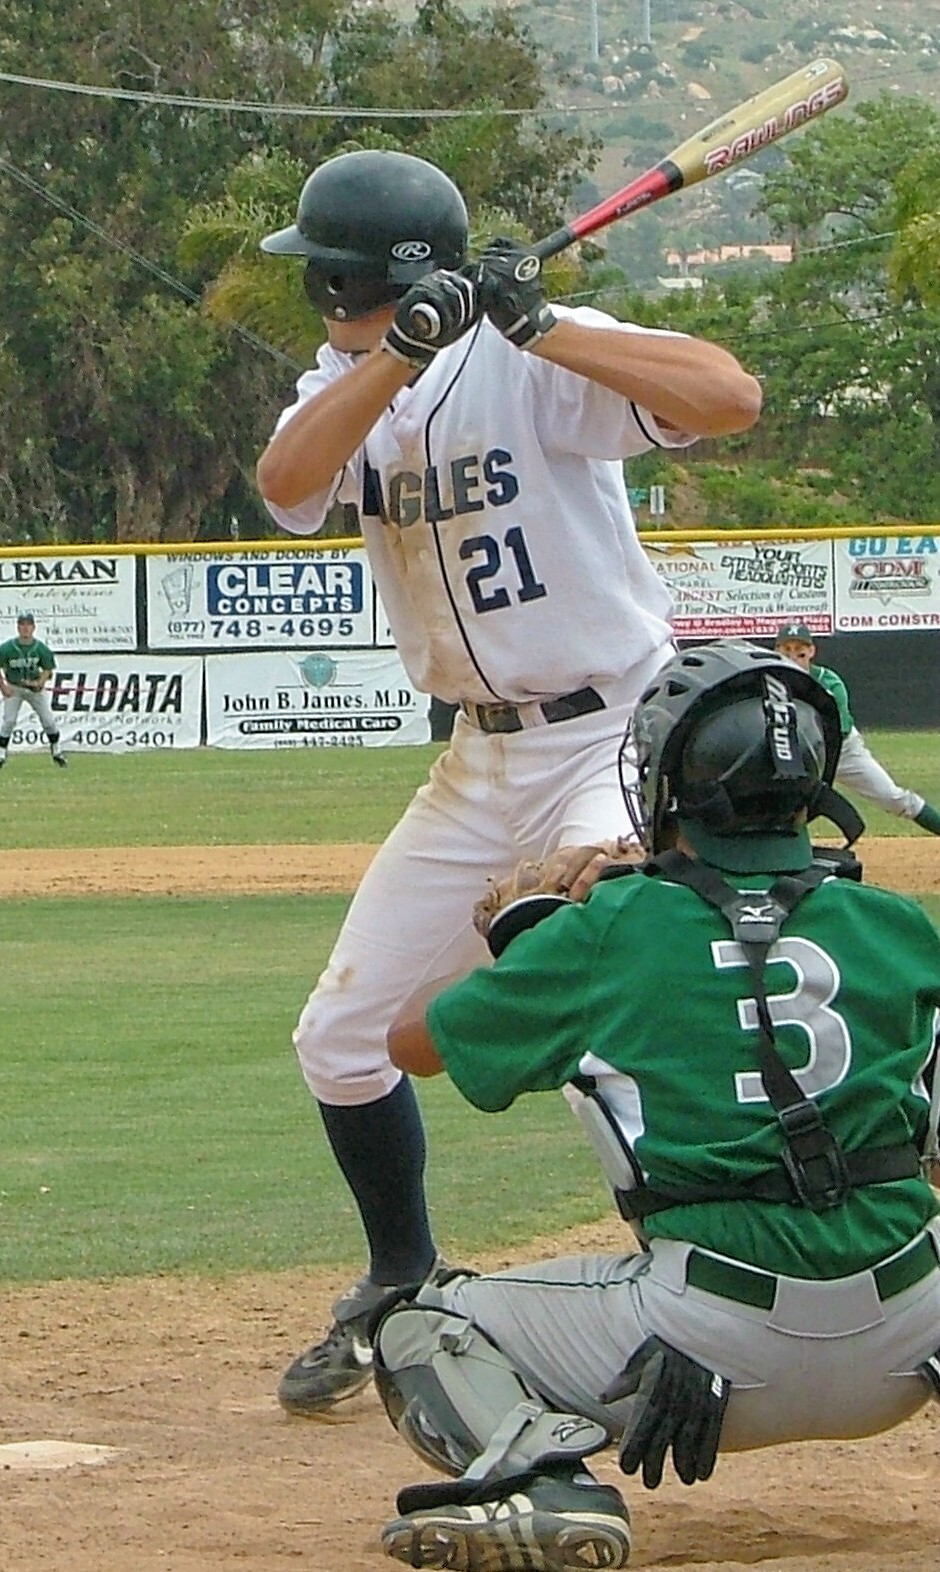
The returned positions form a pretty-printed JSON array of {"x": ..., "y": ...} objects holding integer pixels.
[
  {"x": 178, "y": 1375},
  {"x": 911, "y": 863}
]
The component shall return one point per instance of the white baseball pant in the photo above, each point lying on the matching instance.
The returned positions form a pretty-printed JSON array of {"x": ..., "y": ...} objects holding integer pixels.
[
  {"x": 489, "y": 801},
  {"x": 860, "y": 771},
  {"x": 38, "y": 703}
]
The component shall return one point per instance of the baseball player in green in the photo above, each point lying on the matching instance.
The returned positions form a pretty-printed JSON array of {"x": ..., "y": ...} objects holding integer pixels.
[
  {"x": 858, "y": 768},
  {"x": 26, "y": 664},
  {"x": 756, "y": 1090}
]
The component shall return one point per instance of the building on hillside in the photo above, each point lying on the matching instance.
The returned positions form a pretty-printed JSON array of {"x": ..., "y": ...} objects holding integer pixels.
[{"x": 740, "y": 253}]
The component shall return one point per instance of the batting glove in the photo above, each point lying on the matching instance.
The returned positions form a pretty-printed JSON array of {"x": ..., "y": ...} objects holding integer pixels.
[
  {"x": 513, "y": 293},
  {"x": 435, "y": 312},
  {"x": 672, "y": 1401}
]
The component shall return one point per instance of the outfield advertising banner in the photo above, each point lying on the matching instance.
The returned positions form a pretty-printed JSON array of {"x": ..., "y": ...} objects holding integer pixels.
[
  {"x": 260, "y": 599},
  {"x": 119, "y": 704},
  {"x": 746, "y": 589},
  {"x": 80, "y": 603},
  {"x": 887, "y": 584},
  {"x": 328, "y": 698}
]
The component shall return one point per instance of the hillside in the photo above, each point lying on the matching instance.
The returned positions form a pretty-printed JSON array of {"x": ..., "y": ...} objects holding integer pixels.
[{"x": 703, "y": 56}]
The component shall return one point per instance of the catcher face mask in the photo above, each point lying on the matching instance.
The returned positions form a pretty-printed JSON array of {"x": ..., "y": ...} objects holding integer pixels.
[{"x": 631, "y": 789}]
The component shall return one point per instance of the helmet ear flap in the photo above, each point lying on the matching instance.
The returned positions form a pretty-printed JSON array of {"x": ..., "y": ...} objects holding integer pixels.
[{"x": 342, "y": 296}]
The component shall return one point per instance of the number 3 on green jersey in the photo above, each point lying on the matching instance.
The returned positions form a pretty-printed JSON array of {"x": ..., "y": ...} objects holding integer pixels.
[{"x": 808, "y": 1005}]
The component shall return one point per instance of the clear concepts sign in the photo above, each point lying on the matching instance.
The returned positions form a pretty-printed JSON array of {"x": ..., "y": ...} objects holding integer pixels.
[
  {"x": 328, "y": 698},
  {"x": 260, "y": 599}
]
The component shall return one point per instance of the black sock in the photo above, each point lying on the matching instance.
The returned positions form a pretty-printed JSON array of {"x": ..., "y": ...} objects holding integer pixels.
[{"x": 381, "y": 1150}]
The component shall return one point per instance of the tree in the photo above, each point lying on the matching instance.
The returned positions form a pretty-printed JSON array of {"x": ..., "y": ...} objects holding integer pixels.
[
  {"x": 134, "y": 414},
  {"x": 867, "y": 361},
  {"x": 517, "y": 175},
  {"x": 843, "y": 344},
  {"x": 127, "y": 396},
  {"x": 916, "y": 258}
]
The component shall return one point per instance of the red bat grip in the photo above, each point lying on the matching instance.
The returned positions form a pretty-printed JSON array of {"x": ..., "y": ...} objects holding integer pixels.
[{"x": 647, "y": 188}]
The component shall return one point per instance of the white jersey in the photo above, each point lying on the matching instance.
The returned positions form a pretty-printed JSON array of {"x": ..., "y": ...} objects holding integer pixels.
[{"x": 495, "y": 513}]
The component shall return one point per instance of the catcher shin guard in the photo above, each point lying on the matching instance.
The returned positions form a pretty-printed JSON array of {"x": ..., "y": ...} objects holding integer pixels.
[{"x": 458, "y": 1402}]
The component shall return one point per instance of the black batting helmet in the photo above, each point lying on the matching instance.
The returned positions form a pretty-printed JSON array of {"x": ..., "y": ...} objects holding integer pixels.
[
  {"x": 733, "y": 742},
  {"x": 370, "y": 224}
]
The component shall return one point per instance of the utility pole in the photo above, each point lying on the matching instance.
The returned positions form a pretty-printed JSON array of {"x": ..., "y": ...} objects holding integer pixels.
[
  {"x": 646, "y": 35},
  {"x": 594, "y": 46}
]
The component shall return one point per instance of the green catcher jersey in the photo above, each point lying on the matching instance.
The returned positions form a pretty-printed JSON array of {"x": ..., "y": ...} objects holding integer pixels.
[
  {"x": 833, "y": 684},
  {"x": 643, "y": 988},
  {"x": 23, "y": 662}
]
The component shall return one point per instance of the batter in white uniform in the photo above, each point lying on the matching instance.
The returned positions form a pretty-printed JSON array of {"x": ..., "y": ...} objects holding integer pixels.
[{"x": 482, "y": 437}]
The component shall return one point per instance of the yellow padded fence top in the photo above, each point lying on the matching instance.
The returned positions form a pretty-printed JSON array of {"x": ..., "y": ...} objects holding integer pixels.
[{"x": 670, "y": 537}]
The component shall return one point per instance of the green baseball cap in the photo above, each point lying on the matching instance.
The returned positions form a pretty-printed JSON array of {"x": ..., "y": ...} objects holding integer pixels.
[
  {"x": 797, "y": 632},
  {"x": 775, "y": 852}
]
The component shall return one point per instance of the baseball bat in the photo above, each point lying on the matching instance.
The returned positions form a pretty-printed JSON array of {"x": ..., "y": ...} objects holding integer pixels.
[{"x": 764, "y": 118}]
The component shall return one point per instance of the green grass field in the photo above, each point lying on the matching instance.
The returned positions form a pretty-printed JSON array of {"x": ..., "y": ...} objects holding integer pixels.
[
  {"x": 153, "y": 1118},
  {"x": 214, "y": 797}
]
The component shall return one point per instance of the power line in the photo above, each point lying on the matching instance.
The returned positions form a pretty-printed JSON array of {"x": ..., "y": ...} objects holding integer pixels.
[
  {"x": 341, "y": 111},
  {"x": 256, "y": 106},
  {"x": 256, "y": 342},
  {"x": 137, "y": 257}
]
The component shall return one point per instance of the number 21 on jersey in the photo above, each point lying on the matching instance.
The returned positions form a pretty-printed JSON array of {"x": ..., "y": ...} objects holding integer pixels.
[{"x": 492, "y": 555}]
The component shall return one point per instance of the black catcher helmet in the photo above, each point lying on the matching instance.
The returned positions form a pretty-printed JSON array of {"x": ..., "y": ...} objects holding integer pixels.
[
  {"x": 734, "y": 741},
  {"x": 370, "y": 225}
]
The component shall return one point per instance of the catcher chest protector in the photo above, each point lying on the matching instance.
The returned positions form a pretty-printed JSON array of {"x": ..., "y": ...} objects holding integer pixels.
[
  {"x": 370, "y": 225},
  {"x": 815, "y": 1171}
]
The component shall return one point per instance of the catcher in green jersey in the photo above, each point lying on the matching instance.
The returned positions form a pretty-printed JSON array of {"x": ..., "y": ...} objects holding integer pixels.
[
  {"x": 26, "y": 664},
  {"x": 858, "y": 768},
  {"x": 748, "y": 1034}
]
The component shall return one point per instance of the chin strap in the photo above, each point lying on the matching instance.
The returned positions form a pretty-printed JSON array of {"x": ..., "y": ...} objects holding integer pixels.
[{"x": 825, "y": 803}]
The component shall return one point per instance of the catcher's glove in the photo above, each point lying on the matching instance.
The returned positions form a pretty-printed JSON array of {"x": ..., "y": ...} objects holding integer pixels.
[{"x": 536, "y": 889}]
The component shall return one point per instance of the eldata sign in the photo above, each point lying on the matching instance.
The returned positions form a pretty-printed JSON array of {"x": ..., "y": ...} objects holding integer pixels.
[
  {"x": 325, "y": 699},
  {"x": 119, "y": 704},
  {"x": 259, "y": 599},
  {"x": 80, "y": 603}
]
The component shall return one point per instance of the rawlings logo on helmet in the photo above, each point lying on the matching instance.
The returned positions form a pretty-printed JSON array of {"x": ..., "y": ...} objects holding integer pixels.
[{"x": 411, "y": 251}]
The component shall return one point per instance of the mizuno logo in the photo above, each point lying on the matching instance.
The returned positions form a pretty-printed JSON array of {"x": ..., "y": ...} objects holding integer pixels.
[
  {"x": 528, "y": 268},
  {"x": 780, "y": 712}
]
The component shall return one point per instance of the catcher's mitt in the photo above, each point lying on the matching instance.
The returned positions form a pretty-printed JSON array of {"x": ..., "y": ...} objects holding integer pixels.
[{"x": 535, "y": 889}]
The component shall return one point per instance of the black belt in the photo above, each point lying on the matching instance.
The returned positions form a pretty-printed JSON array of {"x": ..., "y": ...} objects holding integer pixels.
[
  {"x": 748, "y": 1286},
  {"x": 512, "y": 717}
]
